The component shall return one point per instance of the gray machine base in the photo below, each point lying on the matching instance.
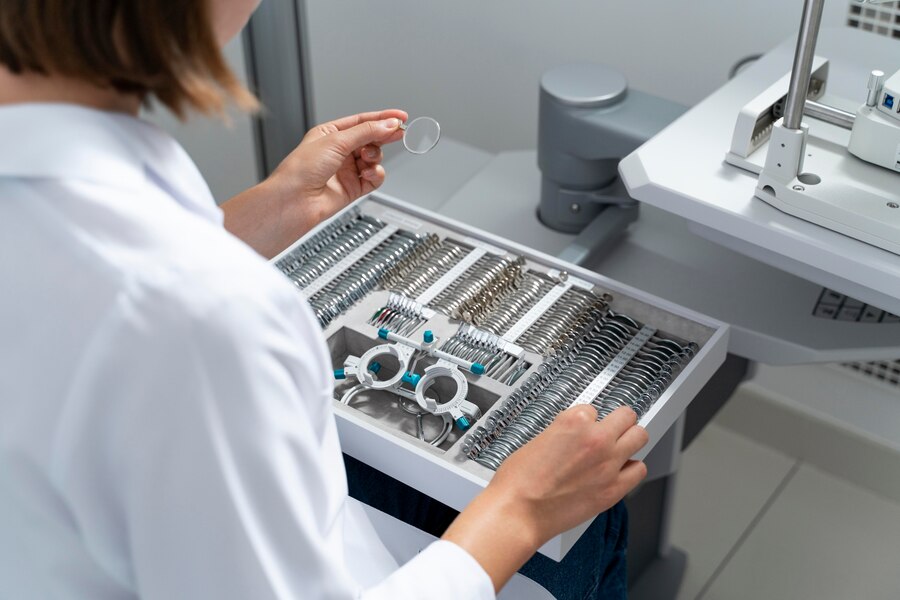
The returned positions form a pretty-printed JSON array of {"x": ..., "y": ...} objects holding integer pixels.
[{"x": 661, "y": 578}]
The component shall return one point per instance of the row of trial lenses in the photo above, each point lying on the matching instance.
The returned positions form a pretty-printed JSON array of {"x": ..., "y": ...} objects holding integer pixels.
[
  {"x": 560, "y": 319},
  {"x": 467, "y": 290},
  {"x": 335, "y": 250},
  {"x": 569, "y": 381},
  {"x": 490, "y": 297},
  {"x": 389, "y": 255},
  {"x": 401, "y": 315},
  {"x": 641, "y": 381},
  {"x": 523, "y": 395},
  {"x": 494, "y": 425},
  {"x": 528, "y": 291},
  {"x": 484, "y": 346},
  {"x": 363, "y": 277},
  {"x": 647, "y": 375},
  {"x": 443, "y": 257},
  {"x": 477, "y": 345},
  {"x": 312, "y": 246},
  {"x": 428, "y": 243}
]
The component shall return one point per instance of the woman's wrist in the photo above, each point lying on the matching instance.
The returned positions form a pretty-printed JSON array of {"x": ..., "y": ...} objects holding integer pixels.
[
  {"x": 500, "y": 531},
  {"x": 299, "y": 209},
  {"x": 272, "y": 215},
  {"x": 259, "y": 216},
  {"x": 517, "y": 510}
]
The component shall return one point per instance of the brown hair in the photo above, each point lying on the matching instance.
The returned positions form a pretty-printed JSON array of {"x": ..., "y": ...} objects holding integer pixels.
[{"x": 162, "y": 47}]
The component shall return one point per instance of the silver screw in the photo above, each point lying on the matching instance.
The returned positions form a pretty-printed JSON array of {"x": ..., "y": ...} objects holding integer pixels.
[
  {"x": 876, "y": 81},
  {"x": 575, "y": 208},
  {"x": 799, "y": 188}
]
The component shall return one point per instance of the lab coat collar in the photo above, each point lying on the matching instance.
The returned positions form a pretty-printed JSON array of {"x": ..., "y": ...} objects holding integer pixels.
[{"x": 66, "y": 141}]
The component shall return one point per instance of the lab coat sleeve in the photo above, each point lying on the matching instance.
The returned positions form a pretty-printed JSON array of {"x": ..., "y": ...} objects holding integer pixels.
[
  {"x": 218, "y": 471},
  {"x": 444, "y": 568}
]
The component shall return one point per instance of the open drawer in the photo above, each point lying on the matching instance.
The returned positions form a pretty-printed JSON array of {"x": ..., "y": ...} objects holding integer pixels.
[{"x": 452, "y": 347}]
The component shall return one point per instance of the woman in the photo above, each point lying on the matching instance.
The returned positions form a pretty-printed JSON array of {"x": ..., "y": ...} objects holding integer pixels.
[{"x": 165, "y": 416}]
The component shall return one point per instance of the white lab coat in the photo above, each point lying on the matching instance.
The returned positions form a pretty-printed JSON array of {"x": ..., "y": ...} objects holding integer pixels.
[{"x": 166, "y": 428}]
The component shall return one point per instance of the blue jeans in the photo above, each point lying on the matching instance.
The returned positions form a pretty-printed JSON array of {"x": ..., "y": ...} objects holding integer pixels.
[{"x": 594, "y": 569}]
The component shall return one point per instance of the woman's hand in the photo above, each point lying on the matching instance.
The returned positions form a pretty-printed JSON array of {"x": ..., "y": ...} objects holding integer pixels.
[
  {"x": 334, "y": 164},
  {"x": 340, "y": 161},
  {"x": 574, "y": 470}
]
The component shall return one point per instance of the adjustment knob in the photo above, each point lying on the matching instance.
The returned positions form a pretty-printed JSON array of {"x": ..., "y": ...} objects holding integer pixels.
[{"x": 876, "y": 81}]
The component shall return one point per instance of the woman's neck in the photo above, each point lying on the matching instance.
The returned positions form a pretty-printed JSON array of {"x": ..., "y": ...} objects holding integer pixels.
[{"x": 29, "y": 87}]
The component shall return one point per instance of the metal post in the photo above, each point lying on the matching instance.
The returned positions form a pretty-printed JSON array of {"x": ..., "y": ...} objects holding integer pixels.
[{"x": 803, "y": 61}]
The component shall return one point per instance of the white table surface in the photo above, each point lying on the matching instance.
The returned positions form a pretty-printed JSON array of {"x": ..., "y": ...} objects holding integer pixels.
[{"x": 682, "y": 170}]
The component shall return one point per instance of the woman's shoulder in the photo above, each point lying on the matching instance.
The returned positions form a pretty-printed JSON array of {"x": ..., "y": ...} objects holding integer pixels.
[{"x": 128, "y": 246}]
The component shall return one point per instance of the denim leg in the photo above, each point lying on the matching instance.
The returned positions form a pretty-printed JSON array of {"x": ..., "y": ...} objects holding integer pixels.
[
  {"x": 397, "y": 499},
  {"x": 593, "y": 569}
]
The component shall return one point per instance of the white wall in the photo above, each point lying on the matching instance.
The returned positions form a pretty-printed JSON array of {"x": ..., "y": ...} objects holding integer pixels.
[
  {"x": 475, "y": 64},
  {"x": 224, "y": 154}
]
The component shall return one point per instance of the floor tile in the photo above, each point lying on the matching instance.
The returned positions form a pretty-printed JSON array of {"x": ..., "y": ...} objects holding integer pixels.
[
  {"x": 781, "y": 422},
  {"x": 724, "y": 481},
  {"x": 822, "y": 539}
]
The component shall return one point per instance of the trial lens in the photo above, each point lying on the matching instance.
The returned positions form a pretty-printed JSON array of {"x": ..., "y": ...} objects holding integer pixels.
[{"x": 421, "y": 135}]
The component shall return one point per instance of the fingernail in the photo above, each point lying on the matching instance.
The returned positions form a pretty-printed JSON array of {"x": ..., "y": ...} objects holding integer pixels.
[
  {"x": 372, "y": 153},
  {"x": 368, "y": 173},
  {"x": 391, "y": 124}
]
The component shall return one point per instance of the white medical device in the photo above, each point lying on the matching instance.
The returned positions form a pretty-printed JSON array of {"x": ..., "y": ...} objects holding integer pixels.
[
  {"x": 876, "y": 130},
  {"x": 813, "y": 171}
]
